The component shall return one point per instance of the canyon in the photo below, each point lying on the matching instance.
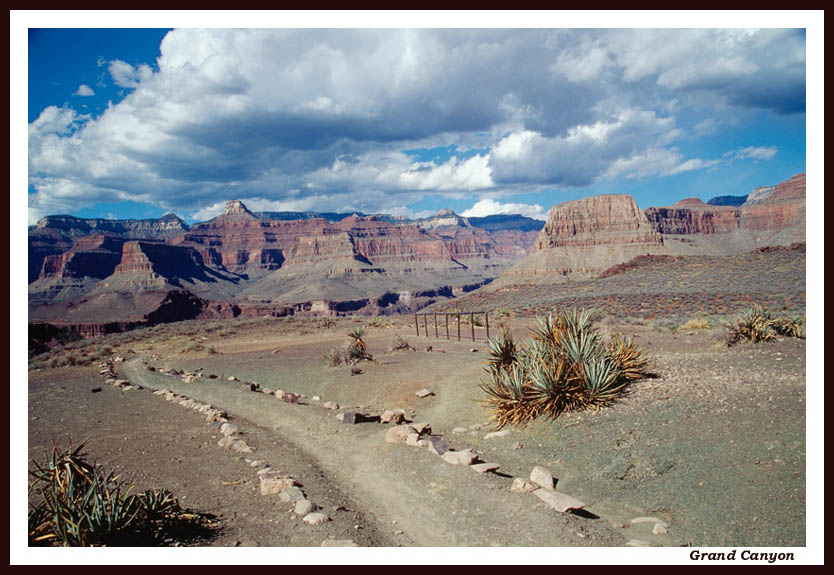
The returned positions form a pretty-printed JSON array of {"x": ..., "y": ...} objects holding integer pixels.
[{"x": 88, "y": 273}]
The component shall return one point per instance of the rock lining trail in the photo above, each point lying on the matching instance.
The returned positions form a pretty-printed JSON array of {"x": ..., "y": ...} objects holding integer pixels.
[{"x": 432, "y": 503}]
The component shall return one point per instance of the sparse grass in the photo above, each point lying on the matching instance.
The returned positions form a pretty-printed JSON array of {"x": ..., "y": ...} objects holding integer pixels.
[
  {"x": 697, "y": 323},
  {"x": 567, "y": 366},
  {"x": 74, "y": 503},
  {"x": 381, "y": 322}
]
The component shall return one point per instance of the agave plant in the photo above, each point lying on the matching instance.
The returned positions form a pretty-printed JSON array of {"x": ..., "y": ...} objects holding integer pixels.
[
  {"x": 789, "y": 326},
  {"x": 502, "y": 351},
  {"x": 628, "y": 359},
  {"x": 566, "y": 366}
]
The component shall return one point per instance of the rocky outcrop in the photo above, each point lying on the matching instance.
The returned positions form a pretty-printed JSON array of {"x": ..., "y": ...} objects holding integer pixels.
[
  {"x": 167, "y": 226},
  {"x": 597, "y": 220},
  {"x": 694, "y": 217},
  {"x": 584, "y": 237}
]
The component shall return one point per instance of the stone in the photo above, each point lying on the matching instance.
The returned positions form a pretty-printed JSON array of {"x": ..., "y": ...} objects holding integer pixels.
[
  {"x": 397, "y": 434},
  {"x": 279, "y": 394},
  {"x": 521, "y": 485},
  {"x": 232, "y": 378},
  {"x": 459, "y": 430},
  {"x": 338, "y": 543},
  {"x": 267, "y": 469},
  {"x": 290, "y": 397},
  {"x": 303, "y": 507},
  {"x": 316, "y": 518},
  {"x": 484, "y": 467},
  {"x": 316, "y": 398},
  {"x": 561, "y": 502},
  {"x": 421, "y": 428},
  {"x": 637, "y": 543},
  {"x": 274, "y": 482},
  {"x": 464, "y": 457},
  {"x": 95, "y": 390},
  {"x": 291, "y": 494},
  {"x": 501, "y": 433},
  {"x": 414, "y": 440},
  {"x": 226, "y": 442},
  {"x": 267, "y": 391},
  {"x": 355, "y": 371},
  {"x": 241, "y": 446},
  {"x": 474, "y": 350},
  {"x": 392, "y": 416},
  {"x": 228, "y": 429},
  {"x": 655, "y": 520},
  {"x": 423, "y": 393},
  {"x": 659, "y": 529},
  {"x": 331, "y": 405},
  {"x": 436, "y": 445},
  {"x": 542, "y": 477}
]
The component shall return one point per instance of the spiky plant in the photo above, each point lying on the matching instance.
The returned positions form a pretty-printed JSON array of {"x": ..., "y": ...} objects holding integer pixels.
[
  {"x": 789, "y": 326},
  {"x": 628, "y": 359},
  {"x": 506, "y": 392},
  {"x": 74, "y": 503},
  {"x": 567, "y": 366},
  {"x": 502, "y": 350},
  {"x": 357, "y": 350}
]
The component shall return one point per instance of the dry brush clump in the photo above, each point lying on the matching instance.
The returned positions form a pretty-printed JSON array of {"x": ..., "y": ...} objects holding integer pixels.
[
  {"x": 757, "y": 324},
  {"x": 74, "y": 503},
  {"x": 566, "y": 366},
  {"x": 354, "y": 351}
]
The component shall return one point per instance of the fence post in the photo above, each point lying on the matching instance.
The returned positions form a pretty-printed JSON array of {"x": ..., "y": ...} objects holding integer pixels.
[
  {"x": 426, "y": 324},
  {"x": 417, "y": 324},
  {"x": 472, "y": 323},
  {"x": 486, "y": 319},
  {"x": 458, "y": 326},
  {"x": 435, "y": 326},
  {"x": 447, "y": 326}
]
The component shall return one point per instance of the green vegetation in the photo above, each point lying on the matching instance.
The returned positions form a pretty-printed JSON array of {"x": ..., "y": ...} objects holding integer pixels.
[
  {"x": 566, "y": 366},
  {"x": 756, "y": 324},
  {"x": 73, "y": 503}
]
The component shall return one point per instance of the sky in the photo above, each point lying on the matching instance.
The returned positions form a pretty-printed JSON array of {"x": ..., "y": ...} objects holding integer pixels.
[{"x": 133, "y": 123}]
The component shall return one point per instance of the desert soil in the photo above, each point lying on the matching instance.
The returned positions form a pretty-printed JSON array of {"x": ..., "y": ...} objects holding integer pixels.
[{"x": 714, "y": 447}]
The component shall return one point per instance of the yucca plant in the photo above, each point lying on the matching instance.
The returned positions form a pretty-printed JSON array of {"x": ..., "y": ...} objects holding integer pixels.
[
  {"x": 502, "y": 350},
  {"x": 789, "y": 326},
  {"x": 757, "y": 324},
  {"x": 73, "y": 503},
  {"x": 566, "y": 366}
]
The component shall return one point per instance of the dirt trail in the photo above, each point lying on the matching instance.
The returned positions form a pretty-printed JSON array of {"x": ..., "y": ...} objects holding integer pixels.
[{"x": 425, "y": 501}]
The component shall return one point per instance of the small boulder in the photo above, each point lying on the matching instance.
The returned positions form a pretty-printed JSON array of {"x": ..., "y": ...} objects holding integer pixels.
[
  {"x": 290, "y": 397},
  {"x": 521, "y": 485},
  {"x": 392, "y": 416},
  {"x": 303, "y": 507},
  {"x": 332, "y": 405},
  {"x": 397, "y": 434},
  {"x": 274, "y": 482},
  {"x": 423, "y": 393},
  {"x": 316, "y": 518},
  {"x": 465, "y": 457},
  {"x": 291, "y": 494},
  {"x": 542, "y": 477},
  {"x": 413, "y": 439},
  {"x": 561, "y": 502},
  {"x": 232, "y": 378},
  {"x": 421, "y": 428},
  {"x": 484, "y": 467},
  {"x": 501, "y": 433}
]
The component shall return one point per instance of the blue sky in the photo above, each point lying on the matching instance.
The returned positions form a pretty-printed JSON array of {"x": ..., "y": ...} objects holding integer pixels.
[{"x": 131, "y": 123}]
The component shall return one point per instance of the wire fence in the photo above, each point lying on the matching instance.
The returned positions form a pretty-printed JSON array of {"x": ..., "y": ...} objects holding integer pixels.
[{"x": 441, "y": 328}]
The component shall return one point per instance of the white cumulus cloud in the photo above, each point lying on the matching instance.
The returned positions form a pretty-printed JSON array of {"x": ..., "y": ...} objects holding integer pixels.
[
  {"x": 489, "y": 207},
  {"x": 84, "y": 90}
]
